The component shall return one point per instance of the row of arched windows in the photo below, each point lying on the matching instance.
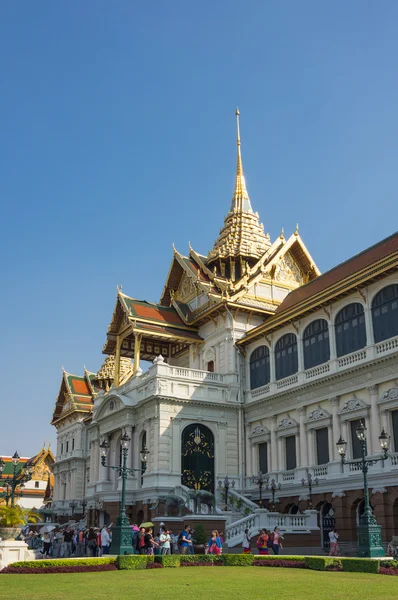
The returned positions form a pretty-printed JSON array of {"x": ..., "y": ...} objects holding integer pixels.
[{"x": 350, "y": 335}]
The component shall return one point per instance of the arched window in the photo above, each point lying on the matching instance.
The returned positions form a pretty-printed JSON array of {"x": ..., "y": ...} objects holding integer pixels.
[
  {"x": 350, "y": 329},
  {"x": 316, "y": 343},
  {"x": 197, "y": 457},
  {"x": 286, "y": 356},
  {"x": 385, "y": 313},
  {"x": 259, "y": 367}
]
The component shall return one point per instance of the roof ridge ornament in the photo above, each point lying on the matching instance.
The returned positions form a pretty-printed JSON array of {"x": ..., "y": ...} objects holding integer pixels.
[{"x": 240, "y": 199}]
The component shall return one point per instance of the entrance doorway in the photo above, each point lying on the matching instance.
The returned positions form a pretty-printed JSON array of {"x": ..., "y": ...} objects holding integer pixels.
[{"x": 327, "y": 518}]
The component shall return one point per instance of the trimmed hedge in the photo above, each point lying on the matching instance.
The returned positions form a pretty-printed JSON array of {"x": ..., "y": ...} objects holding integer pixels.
[
  {"x": 320, "y": 563},
  {"x": 293, "y": 564},
  {"x": 273, "y": 557},
  {"x": 168, "y": 560},
  {"x": 237, "y": 560},
  {"x": 133, "y": 561},
  {"x": 202, "y": 558},
  {"x": 64, "y": 562},
  {"x": 66, "y": 569},
  {"x": 360, "y": 565}
]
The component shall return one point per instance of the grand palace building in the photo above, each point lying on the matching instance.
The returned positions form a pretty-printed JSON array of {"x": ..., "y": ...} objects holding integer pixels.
[{"x": 257, "y": 362}]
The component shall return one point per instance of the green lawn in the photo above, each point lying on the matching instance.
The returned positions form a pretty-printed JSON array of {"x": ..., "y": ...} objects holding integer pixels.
[{"x": 201, "y": 583}]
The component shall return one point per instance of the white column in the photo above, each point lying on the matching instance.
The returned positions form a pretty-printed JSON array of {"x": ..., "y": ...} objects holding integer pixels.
[
  {"x": 281, "y": 465},
  {"x": 336, "y": 429},
  {"x": 332, "y": 340},
  {"x": 249, "y": 467},
  {"x": 155, "y": 424},
  {"x": 375, "y": 427},
  {"x": 369, "y": 326},
  {"x": 303, "y": 457},
  {"x": 272, "y": 363},
  {"x": 254, "y": 459},
  {"x": 311, "y": 459},
  {"x": 300, "y": 356},
  {"x": 274, "y": 448}
]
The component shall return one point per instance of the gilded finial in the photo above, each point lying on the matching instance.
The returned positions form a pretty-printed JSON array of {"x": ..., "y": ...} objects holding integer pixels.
[
  {"x": 296, "y": 230},
  {"x": 240, "y": 200},
  {"x": 282, "y": 235},
  {"x": 174, "y": 248}
]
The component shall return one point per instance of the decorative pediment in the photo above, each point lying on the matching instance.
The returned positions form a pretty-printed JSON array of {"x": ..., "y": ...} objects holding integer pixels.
[
  {"x": 352, "y": 405},
  {"x": 286, "y": 423},
  {"x": 390, "y": 395},
  {"x": 259, "y": 430},
  {"x": 186, "y": 290},
  {"x": 288, "y": 270},
  {"x": 355, "y": 408},
  {"x": 317, "y": 415}
]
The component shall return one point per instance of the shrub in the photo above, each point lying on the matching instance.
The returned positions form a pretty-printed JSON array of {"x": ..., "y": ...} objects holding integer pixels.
[
  {"x": 204, "y": 558},
  {"x": 168, "y": 560},
  {"x": 133, "y": 561},
  {"x": 154, "y": 565},
  {"x": 360, "y": 565},
  {"x": 13, "y": 516},
  {"x": 59, "y": 569},
  {"x": 64, "y": 562},
  {"x": 200, "y": 536},
  {"x": 237, "y": 560},
  {"x": 293, "y": 564},
  {"x": 388, "y": 571},
  {"x": 319, "y": 563},
  {"x": 271, "y": 557},
  {"x": 200, "y": 563}
]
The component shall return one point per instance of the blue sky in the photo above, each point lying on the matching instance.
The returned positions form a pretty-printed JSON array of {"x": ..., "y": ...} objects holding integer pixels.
[{"x": 118, "y": 139}]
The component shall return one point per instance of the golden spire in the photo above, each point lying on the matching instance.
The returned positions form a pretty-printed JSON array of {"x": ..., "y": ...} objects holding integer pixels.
[{"x": 240, "y": 199}]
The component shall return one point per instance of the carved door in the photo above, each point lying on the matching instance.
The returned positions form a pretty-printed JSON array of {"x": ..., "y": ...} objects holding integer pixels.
[{"x": 197, "y": 457}]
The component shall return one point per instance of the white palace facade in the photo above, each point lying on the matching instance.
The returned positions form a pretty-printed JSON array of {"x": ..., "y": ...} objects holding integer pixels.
[{"x": 257, "y": 363}]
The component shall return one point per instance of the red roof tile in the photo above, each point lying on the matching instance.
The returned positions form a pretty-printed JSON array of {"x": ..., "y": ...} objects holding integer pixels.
[{"x": 341, "y": 271}]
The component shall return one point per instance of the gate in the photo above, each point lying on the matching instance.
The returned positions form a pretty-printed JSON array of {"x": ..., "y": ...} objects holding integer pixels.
[{"x": 328, "y": 522}]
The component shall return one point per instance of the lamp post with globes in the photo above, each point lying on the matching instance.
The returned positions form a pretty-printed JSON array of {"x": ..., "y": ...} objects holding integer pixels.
[
  {"x": 369, "y": 532},
  {"x": 226, "y": 484},
  {"x": 273, "y": 487},
  {"x": 260, "y": 480},
  {"x": 309, "y": 482},
  {"x": 121, "y": 534},
  {"x": 14, "y": 485}
]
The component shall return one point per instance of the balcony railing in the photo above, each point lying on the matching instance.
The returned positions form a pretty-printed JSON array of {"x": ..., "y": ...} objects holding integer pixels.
[{"x": 331, "y": 367}]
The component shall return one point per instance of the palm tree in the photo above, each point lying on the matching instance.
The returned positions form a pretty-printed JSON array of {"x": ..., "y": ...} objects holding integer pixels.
[{"x": 14, "y": 516}]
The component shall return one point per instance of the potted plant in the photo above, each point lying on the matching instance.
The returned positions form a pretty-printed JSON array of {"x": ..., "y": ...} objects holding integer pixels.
[
  {"x": 11, "y": 519},
  {"x": 200, "y": 539}
]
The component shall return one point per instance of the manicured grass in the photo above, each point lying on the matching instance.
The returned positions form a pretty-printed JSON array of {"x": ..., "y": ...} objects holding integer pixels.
[{"x": 201, "y": 583}]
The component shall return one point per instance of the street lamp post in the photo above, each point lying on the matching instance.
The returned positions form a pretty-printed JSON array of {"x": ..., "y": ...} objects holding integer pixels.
[
  {"x": 84, "y": 504},
  {"x": 14, "y": 485},
  {"x": 273, "y": 487},
  {"x": 72, "y": 506},
  {"x": 369, "y": 532},
  {"x": 226, "y": 484},
  {"x": 121, "y": 534},
  {"x": 309, "y": 482},
  {"x": 259, "y": 480}
]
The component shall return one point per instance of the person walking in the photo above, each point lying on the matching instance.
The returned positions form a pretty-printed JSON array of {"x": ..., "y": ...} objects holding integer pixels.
[
  {"x": 92, "y": 542},
  {"x": 68, "y": 539},
  {"x": 334, "y": 543},
  {"x": 186, "y": 541},
  {"x": 276, "y": 540},
  {"x": 142, "y": 542},
  {"x": 46, "y": 544},
  {"x": 262, "y": 542},
  {"x": 165, "y": 539},
  {"x": 246, "y": 544},
  {"x": 214, "y": 543},
  {"x": 106, "y": 540},
  {"x": 153, "y": 544}
]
